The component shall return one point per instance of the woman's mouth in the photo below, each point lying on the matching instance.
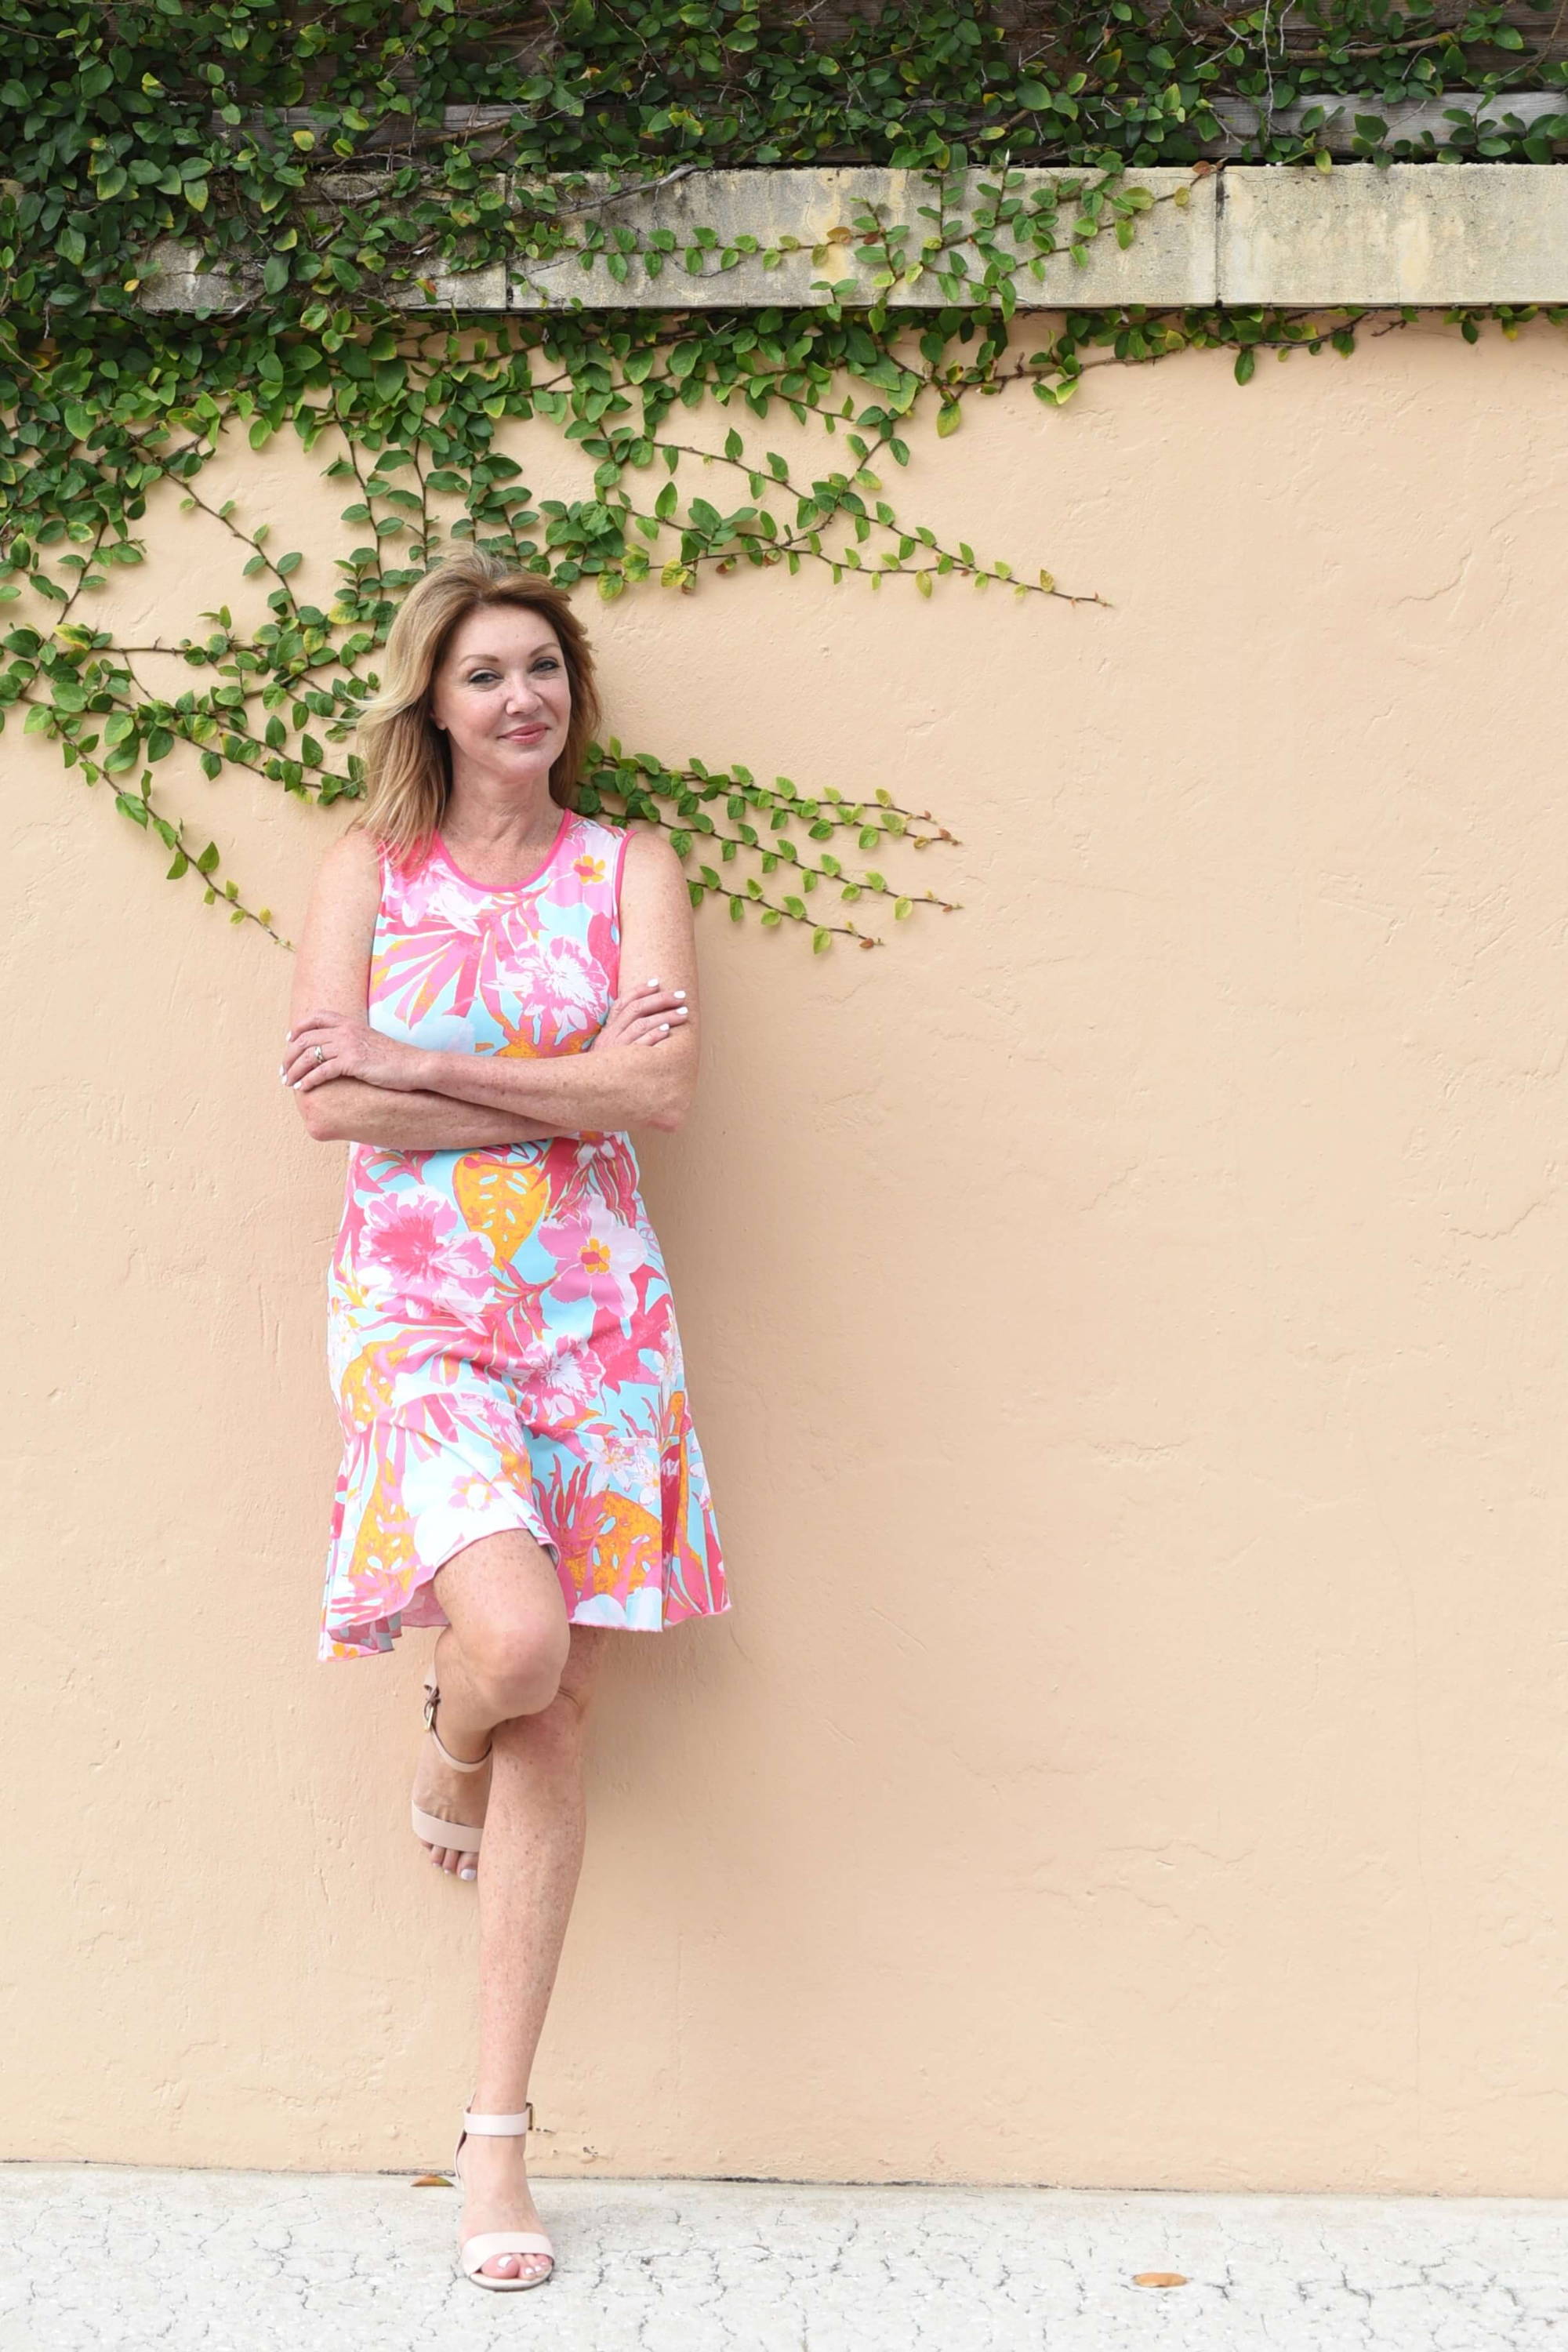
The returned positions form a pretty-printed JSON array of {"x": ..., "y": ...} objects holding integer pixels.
[{"x": 523, "y": 734}]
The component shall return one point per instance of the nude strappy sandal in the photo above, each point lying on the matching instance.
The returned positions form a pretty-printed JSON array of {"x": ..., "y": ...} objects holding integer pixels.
[
  {"x": 458, "y": 1837},
  {"x": 482, "y": 2248}
]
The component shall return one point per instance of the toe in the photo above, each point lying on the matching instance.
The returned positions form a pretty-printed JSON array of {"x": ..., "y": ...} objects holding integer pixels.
[{"x": 502, "y": 2266}]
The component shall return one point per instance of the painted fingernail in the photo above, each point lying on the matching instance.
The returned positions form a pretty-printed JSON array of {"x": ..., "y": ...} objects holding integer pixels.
[
  {"x": 681, "y": 991},
  {"x": 651, "y": 983}
]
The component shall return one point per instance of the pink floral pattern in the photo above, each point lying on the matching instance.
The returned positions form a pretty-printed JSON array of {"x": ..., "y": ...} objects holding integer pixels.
[{"x": 501, "y": 1336}]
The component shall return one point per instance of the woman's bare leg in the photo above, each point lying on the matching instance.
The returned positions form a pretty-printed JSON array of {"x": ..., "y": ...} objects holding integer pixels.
[
  {"x": 514, "y": 1673},
  {"x": 501, "y": 1655},
  {"x": 528, "y": 1874}
]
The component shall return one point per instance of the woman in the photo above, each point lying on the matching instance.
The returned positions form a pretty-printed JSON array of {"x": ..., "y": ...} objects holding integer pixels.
[{"x": 490, "y": 990}]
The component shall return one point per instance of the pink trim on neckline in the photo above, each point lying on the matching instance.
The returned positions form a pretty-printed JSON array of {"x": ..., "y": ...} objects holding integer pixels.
[{"x": 567, "y": 817}]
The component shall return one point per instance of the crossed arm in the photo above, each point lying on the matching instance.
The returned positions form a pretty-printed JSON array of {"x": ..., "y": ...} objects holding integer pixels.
[{"x": 367, "y": 1088}]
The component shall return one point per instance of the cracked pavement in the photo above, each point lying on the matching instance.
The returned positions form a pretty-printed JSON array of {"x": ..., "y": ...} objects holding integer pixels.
[{"x": 107, "y": 2258}]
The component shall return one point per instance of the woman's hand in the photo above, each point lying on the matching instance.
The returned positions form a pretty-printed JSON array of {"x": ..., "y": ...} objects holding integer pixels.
[
  {"x": 331, "y": 1046},
  {"x": 648, "y": 1015}
]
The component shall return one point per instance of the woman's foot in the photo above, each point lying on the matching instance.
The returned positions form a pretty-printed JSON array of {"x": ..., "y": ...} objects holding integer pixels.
[
  {"x": 452, "y": 1796},
  {"x": 493, "y": 2178}
]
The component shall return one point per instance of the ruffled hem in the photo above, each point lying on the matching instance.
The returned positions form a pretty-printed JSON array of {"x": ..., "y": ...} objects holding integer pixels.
[{"x": 644, "y": 1611}]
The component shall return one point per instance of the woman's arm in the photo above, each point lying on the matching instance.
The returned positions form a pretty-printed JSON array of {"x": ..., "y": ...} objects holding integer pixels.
[
  {"x": 401, "y": 1121},
  {"x": 616, "y": 1085},
  {"x": 332, "y": 968}
]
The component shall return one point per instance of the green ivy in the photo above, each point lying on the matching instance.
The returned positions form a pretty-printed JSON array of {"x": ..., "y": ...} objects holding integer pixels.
[
  {"x": 317, "y": 136},
  {"x": 316, "y": 133}
]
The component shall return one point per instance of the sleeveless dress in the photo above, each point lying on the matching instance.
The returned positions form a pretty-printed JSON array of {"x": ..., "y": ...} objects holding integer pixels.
[{"x": 502, "y": 1338}]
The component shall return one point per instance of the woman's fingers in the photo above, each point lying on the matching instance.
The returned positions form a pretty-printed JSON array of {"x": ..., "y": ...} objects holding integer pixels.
[
  {"x": 628, "y": 1015},
  {"x": 644, "y": 1000},
  {"x": 654, "y": 1025},
  {"x": 301, "y": 1060}
]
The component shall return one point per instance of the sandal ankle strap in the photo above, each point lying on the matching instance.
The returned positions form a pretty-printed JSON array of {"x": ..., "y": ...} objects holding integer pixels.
[
  {"x": 501, "y": 2123},
  {"x": 458, "y": 1763}
]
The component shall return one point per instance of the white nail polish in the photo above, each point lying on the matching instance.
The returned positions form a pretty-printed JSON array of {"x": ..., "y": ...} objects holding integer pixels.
[
  {"x": 468, "y": 1873},
  {"x": 681, "y": 991}
]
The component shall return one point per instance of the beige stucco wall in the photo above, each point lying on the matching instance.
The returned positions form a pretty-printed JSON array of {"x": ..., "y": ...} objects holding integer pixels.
[{"x": 1125, "y": 1322}]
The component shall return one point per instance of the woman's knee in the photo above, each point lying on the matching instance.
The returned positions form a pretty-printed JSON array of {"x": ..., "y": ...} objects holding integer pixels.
[
  {"x": 517, "y": 1664},
  {"x": 563, "y": 1719}
]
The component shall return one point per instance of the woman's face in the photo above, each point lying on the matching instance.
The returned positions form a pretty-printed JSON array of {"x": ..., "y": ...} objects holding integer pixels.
[{"x": 502, "y": 695}]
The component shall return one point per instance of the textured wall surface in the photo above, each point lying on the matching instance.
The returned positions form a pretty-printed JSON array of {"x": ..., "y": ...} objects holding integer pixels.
[{"x": 1125, "y": 1325}]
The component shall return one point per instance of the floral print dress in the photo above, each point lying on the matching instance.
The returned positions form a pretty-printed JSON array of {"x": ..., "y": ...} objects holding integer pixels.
[{"x": 502, "y": 1338}]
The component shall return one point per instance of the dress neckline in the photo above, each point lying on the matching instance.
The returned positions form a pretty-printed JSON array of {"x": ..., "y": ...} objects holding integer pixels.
[{"x": 506, "y": 889}]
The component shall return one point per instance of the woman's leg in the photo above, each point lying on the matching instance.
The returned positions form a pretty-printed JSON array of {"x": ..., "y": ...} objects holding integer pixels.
[
  {"x": 515, "y": 1673},
  {"x": 528, "y": 1874},
  {"x": 501, "y": 1655}
]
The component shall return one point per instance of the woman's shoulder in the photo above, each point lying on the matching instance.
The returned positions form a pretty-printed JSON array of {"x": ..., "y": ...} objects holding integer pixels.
[
  {"x": 648, "y": 846},
  {"x": 652, "y": 875},
  {"x": 353, "y": 868}
]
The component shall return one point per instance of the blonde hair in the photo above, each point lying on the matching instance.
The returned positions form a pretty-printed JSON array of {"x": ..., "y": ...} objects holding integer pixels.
[{"x": 407, "y": 763}]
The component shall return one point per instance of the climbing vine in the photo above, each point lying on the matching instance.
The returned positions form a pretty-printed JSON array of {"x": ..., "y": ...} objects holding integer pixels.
[{"x": 328, "y": 167}]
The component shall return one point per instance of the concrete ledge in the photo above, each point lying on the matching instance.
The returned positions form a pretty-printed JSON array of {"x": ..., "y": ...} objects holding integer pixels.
[
  {"x": 1424, "y": 232},
  {"x": 1171, "y": 258},
  {"x": 1431, "y": 234}
]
